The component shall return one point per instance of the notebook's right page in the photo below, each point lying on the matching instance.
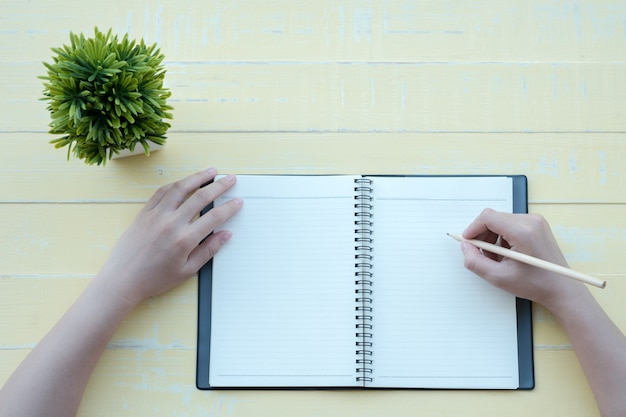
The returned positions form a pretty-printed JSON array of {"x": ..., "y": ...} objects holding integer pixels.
[{"x": 435, "y": 324}]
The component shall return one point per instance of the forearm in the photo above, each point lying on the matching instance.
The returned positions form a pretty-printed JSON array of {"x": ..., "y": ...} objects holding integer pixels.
[
  {"x": 51, "y": 380},
  {"x": 600, "y": 347},
  {"x": 599, "y": 344}
]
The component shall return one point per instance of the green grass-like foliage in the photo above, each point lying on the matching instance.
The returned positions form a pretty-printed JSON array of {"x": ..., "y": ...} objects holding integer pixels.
[{"x": 106, "y": 95}]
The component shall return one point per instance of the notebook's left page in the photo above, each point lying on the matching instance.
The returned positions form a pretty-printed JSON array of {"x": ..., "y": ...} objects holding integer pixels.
[{"x": 282, "y": 312}]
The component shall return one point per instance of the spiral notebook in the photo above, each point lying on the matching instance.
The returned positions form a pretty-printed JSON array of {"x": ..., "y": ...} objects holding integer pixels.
[{"x": 350, "y": 281}]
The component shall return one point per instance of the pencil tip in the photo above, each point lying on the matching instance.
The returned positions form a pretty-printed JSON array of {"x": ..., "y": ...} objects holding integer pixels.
[{"x": 456, "y": 237}]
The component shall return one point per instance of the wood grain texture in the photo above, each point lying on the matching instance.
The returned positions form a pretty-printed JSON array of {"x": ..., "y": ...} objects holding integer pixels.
[
  {"x": 561, "y": 168},
  {"x": 528, "y": 87},
  {"x": 351, "y": 30},
  {"x": 368, "y": 97}
]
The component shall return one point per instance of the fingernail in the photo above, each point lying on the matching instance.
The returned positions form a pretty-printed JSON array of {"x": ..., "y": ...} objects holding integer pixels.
[
  {"x": 238, "y": 201},
  {"x": 230, "y": 178},
  {"x": 464, "y": 247},
  {"x": 211, "y": 171},
  {"x": 225, "y": 236}
]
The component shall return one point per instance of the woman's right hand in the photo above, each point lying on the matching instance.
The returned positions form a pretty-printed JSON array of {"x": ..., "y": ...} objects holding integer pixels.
[{"x": 525, "y": 233}]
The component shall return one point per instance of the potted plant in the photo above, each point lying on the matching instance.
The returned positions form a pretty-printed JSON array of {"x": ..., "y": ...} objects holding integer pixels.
[{"x": 106, "y": 96}]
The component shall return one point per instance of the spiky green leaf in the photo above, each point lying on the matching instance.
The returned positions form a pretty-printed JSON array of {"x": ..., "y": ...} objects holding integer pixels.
[{"x": 105, "y": 94}]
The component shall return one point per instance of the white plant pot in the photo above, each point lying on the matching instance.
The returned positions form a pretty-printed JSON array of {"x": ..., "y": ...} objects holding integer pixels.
[{"x": 138, "y": 150}]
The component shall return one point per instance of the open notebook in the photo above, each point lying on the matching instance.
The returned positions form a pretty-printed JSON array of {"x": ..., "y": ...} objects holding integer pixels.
[{"x": 351, "y": 281}]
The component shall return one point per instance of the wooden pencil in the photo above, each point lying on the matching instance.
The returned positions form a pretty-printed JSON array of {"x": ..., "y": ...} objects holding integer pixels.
[{"x": 531, "y": 260}]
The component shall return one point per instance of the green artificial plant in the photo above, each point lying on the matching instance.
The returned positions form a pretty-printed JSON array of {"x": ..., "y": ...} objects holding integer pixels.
[{"x": 106, "y": 95}]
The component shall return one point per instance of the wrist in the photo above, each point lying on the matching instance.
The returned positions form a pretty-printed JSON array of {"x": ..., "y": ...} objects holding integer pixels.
[
  {"x": 105, "y": 290},
  {"x": 567, "y": 300},
  {"x": 120, "y": 284}
]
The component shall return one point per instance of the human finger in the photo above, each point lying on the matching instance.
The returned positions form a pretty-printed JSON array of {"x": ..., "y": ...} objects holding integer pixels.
[
  {"x": 491, "y": 224},
  {"x": 215, "y": 217},
  {"x": 207, "y": 250},
  {"x": 484, "y": 266},
  {"x": 474, "y": 260},
  {"x": 157, "y": 197},
  {"x": 178, "y": 192},
  {"x": 202, "y": 197}
]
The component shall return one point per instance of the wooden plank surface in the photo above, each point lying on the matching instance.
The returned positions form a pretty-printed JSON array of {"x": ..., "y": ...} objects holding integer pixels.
[
  {"x": 564, "y": 168},
  {"x": 530, "y": 87},
  {"x": 370, "y": 97},
  {"x": 337, "y": 30}
]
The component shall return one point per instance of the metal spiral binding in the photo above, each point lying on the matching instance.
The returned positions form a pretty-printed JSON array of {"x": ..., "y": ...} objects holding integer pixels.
[{"x": 363, "y": 278}]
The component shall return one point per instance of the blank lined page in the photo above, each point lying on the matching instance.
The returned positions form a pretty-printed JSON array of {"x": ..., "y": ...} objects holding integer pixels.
[
  {"x": 436, "y": 325},
  {"x": 283, "y": 286}
]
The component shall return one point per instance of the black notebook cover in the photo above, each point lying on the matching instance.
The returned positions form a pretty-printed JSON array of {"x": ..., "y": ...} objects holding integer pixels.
[{"x": 524, "y": 311}]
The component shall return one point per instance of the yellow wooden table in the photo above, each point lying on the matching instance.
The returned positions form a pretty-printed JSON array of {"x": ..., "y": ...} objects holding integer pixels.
[{"x": 532, "y": 87}]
